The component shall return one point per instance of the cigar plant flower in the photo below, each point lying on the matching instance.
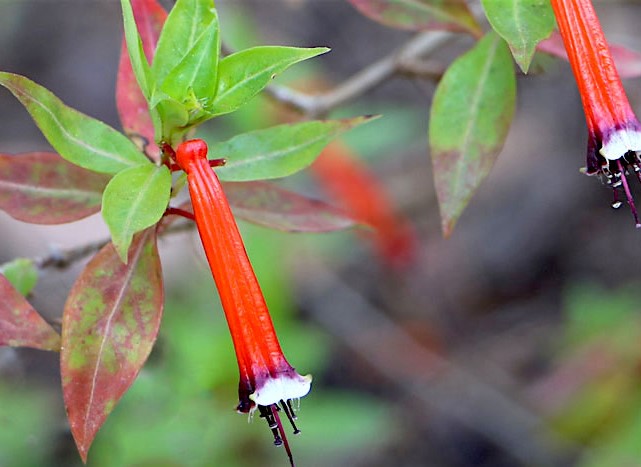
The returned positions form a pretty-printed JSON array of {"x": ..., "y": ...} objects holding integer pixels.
[
  {"x": 614, "y": 132},
  {"x": 266, "y": 378}
]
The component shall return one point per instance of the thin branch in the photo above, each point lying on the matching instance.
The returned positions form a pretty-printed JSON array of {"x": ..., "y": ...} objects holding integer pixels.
[
  {"x": 62, "y": 259},
  {"x": 318, "y": 105}
]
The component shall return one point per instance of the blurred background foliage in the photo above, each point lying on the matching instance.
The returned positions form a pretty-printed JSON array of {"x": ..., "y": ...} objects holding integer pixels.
[{"x": 513, "y": 343}]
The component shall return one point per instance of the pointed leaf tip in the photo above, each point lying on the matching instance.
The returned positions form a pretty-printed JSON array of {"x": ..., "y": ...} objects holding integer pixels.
[
  {"x": 522, "y": 24},
  {"x": 110, "y": 323}
]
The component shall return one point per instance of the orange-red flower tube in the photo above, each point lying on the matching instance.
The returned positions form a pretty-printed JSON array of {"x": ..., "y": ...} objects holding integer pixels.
[
  {"x": 614, "y": 133},
  {"x": 266, "y": 378}
]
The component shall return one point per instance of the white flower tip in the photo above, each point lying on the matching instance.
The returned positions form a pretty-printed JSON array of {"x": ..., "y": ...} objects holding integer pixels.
[
  {"x": 619, "y": 143},
  {"x": 283, "y": 387}
]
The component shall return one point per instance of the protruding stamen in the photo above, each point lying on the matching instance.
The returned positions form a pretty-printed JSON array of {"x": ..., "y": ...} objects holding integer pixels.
[
  {"x": 287, "y": 408},
  {"x": 628, "y": 194},
  {"x": 616, "y": 203},
  {"x": 274, "y": 409},
  {"x": 268, "y": 414}
]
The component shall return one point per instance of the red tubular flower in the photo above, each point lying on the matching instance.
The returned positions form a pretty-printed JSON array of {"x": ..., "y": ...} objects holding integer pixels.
[
  {"x": 266, "y": 378},
  {"x": 614, "y": 139}
]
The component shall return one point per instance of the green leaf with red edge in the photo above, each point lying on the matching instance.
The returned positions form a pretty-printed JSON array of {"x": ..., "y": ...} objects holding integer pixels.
[
  {"x": 420, "y": 14},
  {"x": 471, "y": 113},
  {"x": 139, "y": 64},
  {"x": 133, "y": 108},
  {"x": 627, "y": 61},
  {"x": 268, "y": 205},
  {"x": 277, "y": 151},
  {"x": 109, "y": 326},
  {"x": 43, "y": 188},
  {"x": 134, "y": 200},
  {"x": 22, "y": 274},
  {"x": 20, "y": 324},
  {"x": 78, "y": 138},
  {"x": 522, "y": 23}
]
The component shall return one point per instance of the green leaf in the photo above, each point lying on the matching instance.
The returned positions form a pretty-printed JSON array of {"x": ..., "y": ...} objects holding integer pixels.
[
  {"x": 193, "y": 80},
  {"x": 22, "y": 274},
  {"x": 522, "y": 23},
  {"x": 134, "y": 200},
  {"x": 244, "y": 74},
  {"x": 277, "y": 151},
  {"x": 266, "y": 204},
  {"x": 20, "y": 324},
  {"x": 109, "y": 325},
  {"x": 43, "y": 188},
  {"x": 420, "y": 14},
  {"x": 136, "y": 51},
  {"x": 187, "y": 23},
  {"x": 470, "y": 117},
  {"x": 80, "y": 139}
]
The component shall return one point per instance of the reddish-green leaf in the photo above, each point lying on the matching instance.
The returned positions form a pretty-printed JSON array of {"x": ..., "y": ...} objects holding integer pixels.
[
  {"x": 109, "y": 326},
  {"x": 43, "y": 188},
  {"x": 132, "y": 105},
  {"x": 20, "y": 324},
  {"x": 470, "y": 117},
  {"x": 627, "y": 61},
  {"x": 420, "y": 14},
  {"x": 268, "y": 205}
]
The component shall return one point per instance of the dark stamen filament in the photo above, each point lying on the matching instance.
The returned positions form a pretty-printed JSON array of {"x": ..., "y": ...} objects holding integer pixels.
[
  {"x": 274, "y": 409},
  {"x": 268, "y": 414},
  {"x": 628, "y": 194},
  {"x": 291, "y": 416}
]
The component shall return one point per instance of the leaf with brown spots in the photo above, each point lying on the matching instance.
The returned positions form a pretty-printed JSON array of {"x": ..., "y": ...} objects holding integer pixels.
[
  {"x": 43, "y": 188},
  {"x": 268, "y": 205},
  {"x": 132, "y": 105},
  {"x": 417, "y": 15},
  {"x": 471, "y": 113},
  {"x": 20, "y": 324},
  {"x": 110, "y": 323}
]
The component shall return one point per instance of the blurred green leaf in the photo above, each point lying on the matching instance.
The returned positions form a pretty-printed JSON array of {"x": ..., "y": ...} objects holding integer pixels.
[
  {"x": 34, "y": 426},
  {"x": 244, "y": 74},
  {"x": 469, "y": 121},
  {"x": 22, "y": 274},
  {"x": 277, "y": 151},
  {"x": 80, "y": 139},
  {"x": 134, "y": 200},
  {"x": 522, "y": 23}
]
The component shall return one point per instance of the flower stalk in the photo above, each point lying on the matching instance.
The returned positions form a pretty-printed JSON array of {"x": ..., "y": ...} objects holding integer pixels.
[
  {"x": 267, "y": 380},
  {"x": 614, "y": 132}
]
